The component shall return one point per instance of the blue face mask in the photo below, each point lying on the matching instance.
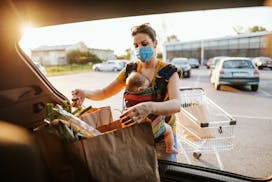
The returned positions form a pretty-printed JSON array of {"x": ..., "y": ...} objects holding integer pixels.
[{"x": 144, "y": 53}]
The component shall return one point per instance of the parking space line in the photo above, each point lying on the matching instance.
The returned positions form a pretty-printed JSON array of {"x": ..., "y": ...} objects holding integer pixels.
[
  {"x": 197, "y": 81},
  {"x": 265, "y": 93},
  {"x": 252, "y": 117}
]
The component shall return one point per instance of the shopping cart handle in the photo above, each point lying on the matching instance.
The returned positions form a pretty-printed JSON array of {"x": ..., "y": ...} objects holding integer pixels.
[
  {"x": 233, "y": 122},
  {"x": 190, "y": 88}
]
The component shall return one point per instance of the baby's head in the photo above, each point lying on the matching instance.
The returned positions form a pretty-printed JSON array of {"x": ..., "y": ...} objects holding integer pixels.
[{"x": 136, "y": 82}]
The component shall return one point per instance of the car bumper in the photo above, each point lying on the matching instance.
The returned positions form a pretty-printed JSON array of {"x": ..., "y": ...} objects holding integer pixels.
[
  {"x": 186, "y": 73},
  {"x": 269, "y": 65},
  {"x": 239, "y": 81},
  {"x": 194, "y": 65}
]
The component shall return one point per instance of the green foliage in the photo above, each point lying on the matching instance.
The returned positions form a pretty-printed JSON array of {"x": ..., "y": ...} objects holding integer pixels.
[
  {"x": 81, "y": 57},
  {"x": 172, "y": 38},
  {"x": 126, "y": 56},
  {"x": 159, "y": 55},
  {"x": 256, "y": 29},
  {"x": 240, "y": 30},
  {"x": 67, "y": 69}
]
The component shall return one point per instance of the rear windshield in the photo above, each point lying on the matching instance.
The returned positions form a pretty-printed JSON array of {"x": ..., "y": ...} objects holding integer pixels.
[
  {"x": 193, "y": 60},
  {"x": 241, "y": 64}
]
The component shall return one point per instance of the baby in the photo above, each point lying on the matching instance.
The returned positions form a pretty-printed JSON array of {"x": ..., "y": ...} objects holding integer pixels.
[{"x": 137, "y": 82}]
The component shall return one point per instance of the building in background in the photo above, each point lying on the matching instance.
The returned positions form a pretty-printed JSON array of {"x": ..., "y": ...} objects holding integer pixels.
[
  {"x": 243, "y": 45},
  {"x": 103, "y": 54},
  {"x": 57, "y": 55}
]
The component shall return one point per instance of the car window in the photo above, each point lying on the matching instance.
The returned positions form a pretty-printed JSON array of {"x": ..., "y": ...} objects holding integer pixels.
[
  {"x": 241, "y": 64},
  {"x": 180, "y": 62},
  {"x": 267, "y": 59},
  {"x": 205, "y": 39}
]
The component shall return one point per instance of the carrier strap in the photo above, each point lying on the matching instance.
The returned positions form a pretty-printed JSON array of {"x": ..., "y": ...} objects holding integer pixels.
[
  {"x": 167, "y": 71},
  {"x": 161, "y": 81},
  {"x": 163, "y": 77}
]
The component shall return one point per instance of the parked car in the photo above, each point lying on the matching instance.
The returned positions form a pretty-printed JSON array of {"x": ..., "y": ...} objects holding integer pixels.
[
  {"x": 182, "y": 64},
  {"x": 110, "y": 65},
  {"x": 208, "y": 63},
  {"x": 41, "y": 68},
  {"x": 263, "y": 62},
  {"x": 194, "y": 63},
  {"x": 235, "y": 71},
  {"x": 123, "y": 62},
  {"x": 213, "y": 62}
]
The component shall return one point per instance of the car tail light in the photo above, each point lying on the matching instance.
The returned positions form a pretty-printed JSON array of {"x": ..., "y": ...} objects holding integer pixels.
[
  {"x": 221, "y": 72},
  {"x": 256, "y": 72}
]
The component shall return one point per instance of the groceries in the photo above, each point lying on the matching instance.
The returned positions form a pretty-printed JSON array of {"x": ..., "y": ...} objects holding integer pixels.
[{"x": 68, "y": 125}]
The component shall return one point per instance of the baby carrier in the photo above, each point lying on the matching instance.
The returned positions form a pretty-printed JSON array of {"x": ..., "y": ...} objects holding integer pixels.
[{"x": 157, "y": 93}]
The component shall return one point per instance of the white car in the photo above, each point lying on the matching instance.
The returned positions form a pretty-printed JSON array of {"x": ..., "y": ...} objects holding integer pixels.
[
  {"x": 213, "y": 63},
  {"x": 110, "y": 65}
]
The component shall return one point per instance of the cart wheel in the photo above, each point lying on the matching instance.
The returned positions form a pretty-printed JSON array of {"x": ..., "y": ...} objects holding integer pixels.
[{"x": 197, "y": 155}]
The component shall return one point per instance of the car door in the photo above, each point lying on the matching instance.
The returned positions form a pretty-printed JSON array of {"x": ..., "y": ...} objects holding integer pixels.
[{"x": 105, "y": 66}]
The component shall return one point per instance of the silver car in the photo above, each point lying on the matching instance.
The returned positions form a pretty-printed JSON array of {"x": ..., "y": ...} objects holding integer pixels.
[
  {"x": 110, "y": 65},
  {"x": 182, "y": 64},
  {"x": 263, "y": 62},
  {"x": 194, "y": 63},
  {"x": 235, "y": 71}
]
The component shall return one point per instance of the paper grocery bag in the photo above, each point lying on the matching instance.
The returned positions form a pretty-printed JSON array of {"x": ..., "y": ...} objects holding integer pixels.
[
  {"x": 97, "y": 117},
  {"x": 127, "y": 154},
  {"x": 54, "y": 152},
  {"x": 191, "y": 130}
]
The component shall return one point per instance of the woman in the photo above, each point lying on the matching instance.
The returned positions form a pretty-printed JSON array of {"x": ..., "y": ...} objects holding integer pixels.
[{"x": 168, "y": 102}]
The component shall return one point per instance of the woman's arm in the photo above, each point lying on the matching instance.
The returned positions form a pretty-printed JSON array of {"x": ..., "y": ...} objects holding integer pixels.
[
  {"x": 99, "y": 94},
  {"x": 113, "y": 88},
  {"x": 173, "y": 104},
  {"x": 140, "y": 111}
]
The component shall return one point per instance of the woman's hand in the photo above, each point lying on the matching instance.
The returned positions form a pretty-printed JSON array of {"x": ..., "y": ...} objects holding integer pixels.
[
  {"x": 137, "y": 113},
  {"x": 78, "y": 97}
]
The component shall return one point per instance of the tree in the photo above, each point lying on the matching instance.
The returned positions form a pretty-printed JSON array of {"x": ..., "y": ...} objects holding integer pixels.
[
  {"x": 240, "y": 30},
  {"x": 159, "y": 55},
  {"x": 256, "y": 29},
  {"x": 172, "y": 38},
  {"x": 81, "y": 57},
  {"x": 126, "y": 56}
]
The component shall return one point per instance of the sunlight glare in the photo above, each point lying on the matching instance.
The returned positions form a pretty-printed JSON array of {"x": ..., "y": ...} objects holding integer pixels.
[{"x": 27, "y": 28}]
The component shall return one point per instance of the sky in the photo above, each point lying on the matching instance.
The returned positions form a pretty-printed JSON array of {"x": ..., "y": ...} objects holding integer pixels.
[{"x": 115, "y": 33}]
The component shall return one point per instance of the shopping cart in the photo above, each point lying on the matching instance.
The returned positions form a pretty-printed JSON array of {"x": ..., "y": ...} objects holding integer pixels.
[{"x": 205, "y": 127}]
